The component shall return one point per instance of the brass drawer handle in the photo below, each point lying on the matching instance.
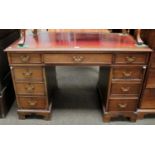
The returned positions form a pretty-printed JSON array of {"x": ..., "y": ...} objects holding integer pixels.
[
  {"x": 130, "y": 59},
  {"x": 78, "y": 59},
  {"x": 127, "y": 74},
  {"x": 30, "y": 88},
  {"x": 125, "y": 89},
  {"x": 32, "y": 103},
  {"x": 25, "y": 58},
  {"x": 27, "y": 74},
  {"x": 122, "y": 105}
]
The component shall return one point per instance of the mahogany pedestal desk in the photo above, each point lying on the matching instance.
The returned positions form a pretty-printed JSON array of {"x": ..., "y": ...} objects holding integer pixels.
[{"x": 122, "y": 64}]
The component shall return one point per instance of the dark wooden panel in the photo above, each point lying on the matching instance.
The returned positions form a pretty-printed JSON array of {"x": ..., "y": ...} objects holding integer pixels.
[
  {"x": 7, "y": 97},
  {"x": 153, "y": 60},
  {"x": 148, "y": 101},
  {"x": 151, "y": 79}
]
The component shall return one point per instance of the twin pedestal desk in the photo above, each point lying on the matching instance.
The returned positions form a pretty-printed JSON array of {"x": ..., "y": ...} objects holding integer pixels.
[{"x": 124, "y": 71}]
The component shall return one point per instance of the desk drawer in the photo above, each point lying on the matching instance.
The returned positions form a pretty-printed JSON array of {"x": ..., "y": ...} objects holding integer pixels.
[
  {"x": 78, "y": 58},
  {"x": 30, "y": 88},
  {"x": 24, "y": 58},
  {"x": 131, "y": 59},
  {"x": 128, "y": 73},
  {"x": 32, "y": 103},
  {"x": 125, "y": 88},
  {"x": 122, "y": 104},
  {"x": 28, "y": 73}
]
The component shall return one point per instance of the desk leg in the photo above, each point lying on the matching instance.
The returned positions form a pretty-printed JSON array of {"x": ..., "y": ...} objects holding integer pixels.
[
  {"x": 103, "y": 87},
  {"x": 51, "y": 80},
  {"x": 51, "y": 85}
]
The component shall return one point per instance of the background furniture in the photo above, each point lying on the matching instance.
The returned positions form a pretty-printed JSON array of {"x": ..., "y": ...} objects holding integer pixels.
[
  {"x": 147, "y": 105},
  {"x": 122, "y": 71},
  {"x": 6, "y": 87}
]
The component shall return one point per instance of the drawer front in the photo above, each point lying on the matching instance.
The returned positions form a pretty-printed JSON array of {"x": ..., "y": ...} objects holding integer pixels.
[
  {"x": 78, "y": 58},
  {"x": 128, "y": 73},
  {"x": 148, "y": 100},
  {"x": 30, "y": 88},
  {"x": 151, "y": 79},
  {"x": 122, "y": 105},
  {"x": 32, "y": 103},
  {"x": 28, "y": 73},
  {"x": 125, "y": 88},
  {"x": 131, "y": 59},
  {"x": 24, "y": 58}
]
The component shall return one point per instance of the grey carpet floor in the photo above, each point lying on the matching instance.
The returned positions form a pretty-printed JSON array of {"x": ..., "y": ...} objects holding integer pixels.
[{"x": 76, "y": 102}]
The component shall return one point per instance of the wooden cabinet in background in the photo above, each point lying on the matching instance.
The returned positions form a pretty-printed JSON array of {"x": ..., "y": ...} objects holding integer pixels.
[
  {"x": 147, "y": 104},
  {"x": 147, "y": 101},
  {"x": 7, "y": 95}
]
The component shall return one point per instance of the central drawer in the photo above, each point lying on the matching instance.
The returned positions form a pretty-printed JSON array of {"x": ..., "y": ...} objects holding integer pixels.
[
  {"x": 125, "y": 88},
  {"x": 32, "y": 103},
  {"x": 77, "y": 58},
  {"x": 30, "y": 88}
]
